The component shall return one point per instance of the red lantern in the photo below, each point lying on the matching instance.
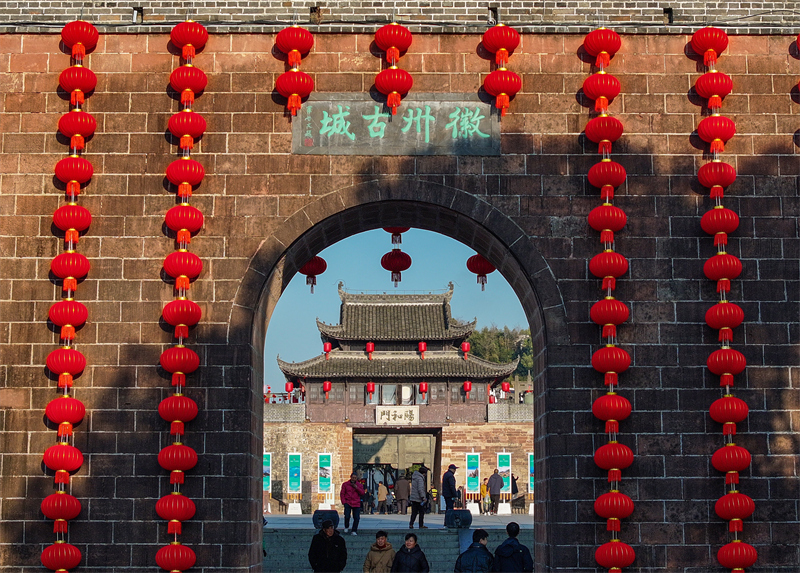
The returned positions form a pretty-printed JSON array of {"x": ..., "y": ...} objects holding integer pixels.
[
  {"x": 77, "y": 81},
  {"x": 60, "y": 507},
  {"x": 505, "y": 387},
  {"x": 316, "y": 266},
  {"x": 722, "y": 268},
  {"x": 422, "y": 347},
  {"x": 187, "y": 126},
  {"x": 611, "y": 408},
  {"x": 719, "y": 222},
  {"x": 729, "y": 411},
  {"x": 69, "y": 315},
  {"x": 184, "y": 220},
  {"x": 177, "y": 458},
  {"x": 69, "y": 267},
  {"x": 63, "y": 459},
  {"x": 726, "y": 363},
  {"x": 66, "y": 362},
  {"x": 613, "y": 506},
  {"x": 394, "y": 83},
  {"x": 423, "y": 389},
  {"x": 189, "y": 36},
  {"x": 289, "y": 387},
  {"x": 713, "y": 86},
  {"x": 604, "y": 131},
  {"x": 609, "y": 313},
  {"x": 396, "y": 261},
  {"x": 607, "y": 219},
  {"x": 77, "y": 125},
  {"x": 611, "y": 360},
  {"x": 175, "y": 508},
  {"x": 602, "y": 43},
  {"x": 467, "y": 388},
  {"x": 326, "y": 348},
  {"x": 177, "y": 409},
  {"x": 607, "y": 172},
  {"x": 716, "y": 130},
  {"x": 370, "y": 389},
  {"x": 80, "y": 36},
  {"x": 465, "y": 348},
  {"x": 503, "y": 85},
  {"x": 393, "y": 39},
  {"x": 326, "y": 387},
  {"x": 735, "y": 507},
  {"x": 65, "y": 411},
  {"x": 179, "y": 361},
  {"x": 731, "y": 459},
  {"x": 737, "y": 555},
  {"x": 710, "y": 42},
  {"x": 370, "y": 349},
  {"x": 185, "y": 171},
  {"x": 188, "y": 81},
  {"x": 602, "y": 88},
  {"x": 175, "y": 557},
  {"x": 397, "y": 233},
  {"x": 615, "y": 555},
  {"x": 608, "y": 266},
  {"x": 182, "y": 314},
  {"x": 501, "y": 40},
  {"x": 74, "y": 171},
  {"x": 294, "y": 41},
  {"x": 61, "y": 556},
  {"x": 183, "y": 266},
  {"x": 725, "y": 316},
  {"x": 613, "y": 457},
  {"x": 73, "y": 220},
  {"x": 294, "y": 85},
  {"x": 480, "y": 266},
  {"x": 716, "y": 173}
]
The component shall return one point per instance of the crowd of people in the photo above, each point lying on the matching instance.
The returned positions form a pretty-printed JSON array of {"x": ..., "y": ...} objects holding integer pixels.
[{"x": 328, "y": 554}]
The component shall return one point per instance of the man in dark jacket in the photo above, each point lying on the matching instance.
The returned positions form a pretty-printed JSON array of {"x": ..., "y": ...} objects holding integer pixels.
[
  {"x": 328, "y": 552},
  {"x": 495, "y": 486},
  {"x": 402, "y": 489},
  {"x": 449, "y": 491},
  {"x": 476, "y": 558},
  {"x": 512, "y": 556}
]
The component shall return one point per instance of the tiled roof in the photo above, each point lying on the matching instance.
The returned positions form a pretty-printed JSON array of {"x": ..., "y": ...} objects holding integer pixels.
[
  {"x": 347, "y": 364},
  {"x": 396, "y": 317}
]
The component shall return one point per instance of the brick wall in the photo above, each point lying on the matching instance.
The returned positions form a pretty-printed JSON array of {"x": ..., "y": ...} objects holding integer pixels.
[{"x": 266, "y": 210}]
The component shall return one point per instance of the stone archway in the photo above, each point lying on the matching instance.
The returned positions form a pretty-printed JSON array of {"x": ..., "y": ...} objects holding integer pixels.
[{"x": 407, "y": 202}]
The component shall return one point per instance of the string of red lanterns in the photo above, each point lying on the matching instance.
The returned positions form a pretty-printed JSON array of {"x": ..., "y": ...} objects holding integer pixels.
[
  {"x": 396, "y": 261},
  {"x": 478, "y": 265},
  {"x": 314, "y": 267},
  {"x": 724, "y": 316},
  {"x": 609, "y": 312},
  {"x": 184, "y": 220},
  {"x": 293, "y": 84},
  {"x": 393, "y": 82},
  {"x": 502, "y": 84},
  {"x": 70, "y": 266}
]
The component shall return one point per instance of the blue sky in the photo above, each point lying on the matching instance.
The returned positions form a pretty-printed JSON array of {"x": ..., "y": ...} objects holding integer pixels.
[{"x": 356, "y": 261}]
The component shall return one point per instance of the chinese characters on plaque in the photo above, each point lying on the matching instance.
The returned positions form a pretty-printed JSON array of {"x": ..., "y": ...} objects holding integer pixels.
[
  {"x": 397, "y": 415},
  {"x": 427, "y": 124}
]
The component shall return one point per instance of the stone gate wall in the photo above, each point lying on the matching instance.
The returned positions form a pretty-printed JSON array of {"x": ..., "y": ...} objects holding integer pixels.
[{"x": 259, "y": 199}]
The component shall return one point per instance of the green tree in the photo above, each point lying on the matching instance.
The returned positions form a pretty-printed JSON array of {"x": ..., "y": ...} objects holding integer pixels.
[{"x": 503, "y": 345}]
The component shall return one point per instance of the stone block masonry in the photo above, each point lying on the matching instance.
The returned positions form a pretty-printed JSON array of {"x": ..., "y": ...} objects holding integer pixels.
[{"x": 267, "y": 210}]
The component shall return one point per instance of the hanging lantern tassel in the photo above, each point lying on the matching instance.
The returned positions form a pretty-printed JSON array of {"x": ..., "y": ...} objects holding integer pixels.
[
  {"x": 710, "y": 58},
  {"x": 601, "y": 104},
  {"x": 502, "y": 103},
  {"x": 393, "y": 101},
  {"x": 187, "y": 97},
  {"x": 603, "y": 60},
  {"x": 501, "y": 58}
]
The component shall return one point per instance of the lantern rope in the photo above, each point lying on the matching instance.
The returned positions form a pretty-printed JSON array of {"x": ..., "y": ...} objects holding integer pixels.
[
  {"x": 723, "y": 316},
  {"x": 609, "y": 313}
]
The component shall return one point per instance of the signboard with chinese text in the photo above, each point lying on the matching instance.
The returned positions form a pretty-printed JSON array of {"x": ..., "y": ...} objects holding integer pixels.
[
  {"x": 425, "y": 124},
  {"x": 295, "y": 465},
  {"x": 504, "y": 469},
  {"x": 473, "y": 473},
  {"x": 324, "y": 473},
  {"x": 267, "y": 483},
  {"x": 397, "y": 415}
]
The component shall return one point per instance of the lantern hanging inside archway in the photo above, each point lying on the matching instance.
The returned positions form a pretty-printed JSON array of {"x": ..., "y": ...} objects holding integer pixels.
[
  {"x": 396, "y": 261},
  {"x": 315, "y": 266},
  {"x": 397, "y": 234},
  {"x": 478, "y": 265}
]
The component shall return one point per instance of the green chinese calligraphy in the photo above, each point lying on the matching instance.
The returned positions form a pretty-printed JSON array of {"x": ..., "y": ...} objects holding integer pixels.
[
  {"x": 377, "y": 125},
  {"x": 415, "y": 116},
  {"x": 337, "y": 124},
  {"x": 466, "y": 123}
]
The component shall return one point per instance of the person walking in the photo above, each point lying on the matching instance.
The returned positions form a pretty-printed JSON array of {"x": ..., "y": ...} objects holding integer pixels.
[
  {"x": 380, "y": 556},
  {"x": 382, "y": 491},
  {"x": 511, "y": 556},
  {"x": 494, "y": 485},
  {"x": 418, "y": 496},
  {"x": 449, "y": 491},
  {"x": 477, "y": 558},
  {"x": 410, "y": 558},
  {"x": 484, "y": 496},
  {"x": 402, "y": 488},
  {"x": 328, "y": 551},
  {"x": 350, "y": 496}
]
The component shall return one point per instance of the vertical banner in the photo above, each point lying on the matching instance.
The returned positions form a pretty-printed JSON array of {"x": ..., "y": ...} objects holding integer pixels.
[
  {"x": 324, "y": 472},
  {"x": 473, "y": 473},
  {"x": 295, "y": 465},
  {"x": 504, "y": 469},
  {"x": 530, "y": 472},
  {"x": 267, "y": 472}
]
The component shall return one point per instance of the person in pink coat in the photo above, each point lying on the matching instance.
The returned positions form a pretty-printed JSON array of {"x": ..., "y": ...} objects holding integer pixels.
[{"x": 350, "y": 496}]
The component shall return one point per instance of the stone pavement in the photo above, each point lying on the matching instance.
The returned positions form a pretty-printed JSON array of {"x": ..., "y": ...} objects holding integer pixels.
[{"x": 394, "y": 521}]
